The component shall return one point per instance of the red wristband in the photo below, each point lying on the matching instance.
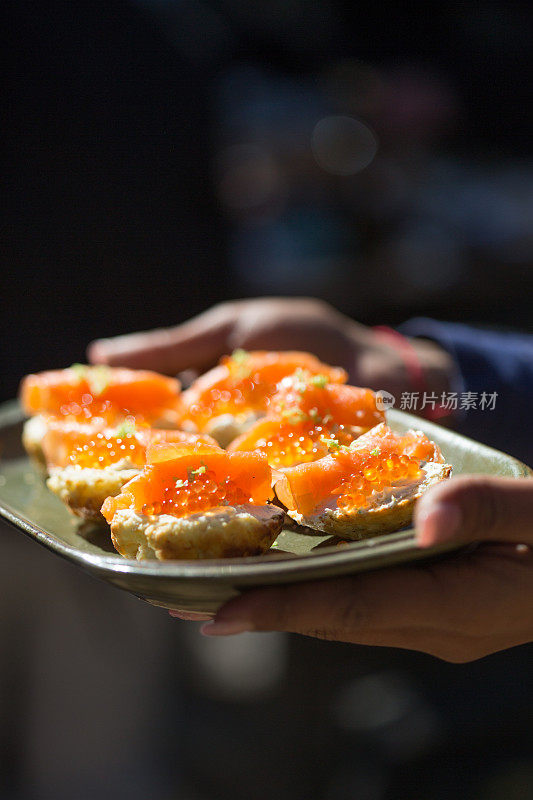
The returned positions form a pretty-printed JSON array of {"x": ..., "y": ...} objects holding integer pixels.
[{"x": 413, "y": 366}]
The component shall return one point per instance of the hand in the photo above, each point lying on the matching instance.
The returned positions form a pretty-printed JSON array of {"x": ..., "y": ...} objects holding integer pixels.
[
  {"x": 459, "y": 609},
  {"x": 277, "y": 324}
]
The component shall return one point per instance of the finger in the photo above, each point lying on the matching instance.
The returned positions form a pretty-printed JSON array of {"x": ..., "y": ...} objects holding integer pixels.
[
  {"x": 354, "y": 609},
  {"x": 460, "y": 609},
  {"x": 475, "y": 508},
  {"x": 297, "y": 324},
  {"x": 199, "y": 342}
]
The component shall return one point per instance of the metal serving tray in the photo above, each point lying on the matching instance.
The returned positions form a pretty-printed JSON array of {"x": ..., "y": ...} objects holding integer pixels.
[{"x": 205, "y": 585}]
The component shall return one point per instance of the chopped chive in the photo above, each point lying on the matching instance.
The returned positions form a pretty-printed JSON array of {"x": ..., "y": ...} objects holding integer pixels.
[
  {"x": 319, "y": 380},
  {"x": 332, "y": 444},
  {"x": 80, "y": 370},
  {"x": 239, "y": 355},
  {"x": 98, "y": 378},
  {"x": 126, "y": 428},
  {"x": 294, "y": 416},
  {"x": 193, "y": 473}
]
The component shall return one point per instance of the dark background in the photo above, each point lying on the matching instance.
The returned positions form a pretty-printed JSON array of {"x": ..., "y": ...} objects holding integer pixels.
[{"x": 160, "y": 157}]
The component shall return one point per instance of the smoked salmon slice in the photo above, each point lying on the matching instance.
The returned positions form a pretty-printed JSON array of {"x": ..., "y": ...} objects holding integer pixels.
[
  {"x": 83, "y": 392},
  {"x": 240, "y": 388}
]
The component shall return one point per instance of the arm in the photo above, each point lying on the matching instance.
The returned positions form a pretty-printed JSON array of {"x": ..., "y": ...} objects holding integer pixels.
[{"x": 490, "y": 362}]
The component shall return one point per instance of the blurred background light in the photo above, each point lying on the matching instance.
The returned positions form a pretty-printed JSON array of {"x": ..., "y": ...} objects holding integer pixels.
[
  {"x": 343, "y": 145},
  {"x": 239, "y": 668},
  {"x": 250, "y": 181},
  {"x": 391, "y": 711}
]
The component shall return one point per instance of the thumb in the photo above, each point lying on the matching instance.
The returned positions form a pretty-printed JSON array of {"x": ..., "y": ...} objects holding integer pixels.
[
  {"x": 475, "y": 508},
  {"x": 197, "y": 343}
]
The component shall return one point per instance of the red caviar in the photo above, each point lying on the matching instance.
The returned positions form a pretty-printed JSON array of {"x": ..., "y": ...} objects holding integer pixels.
[
  {"x": 374, "y": 475},
  {"x": 199, "y": 492},
  {"x": 186, "y": 479},
  {"x": 88, "y": 445},
  {"x": 307, "y": 418},
  {"x": 376, "y": 460},
  {"x": 286, "y": 443},
  {"x": 106, "y": 449}
]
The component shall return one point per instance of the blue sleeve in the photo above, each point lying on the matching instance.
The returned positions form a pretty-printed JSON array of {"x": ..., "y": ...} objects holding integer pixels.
[{"x": 489, "y": 362}]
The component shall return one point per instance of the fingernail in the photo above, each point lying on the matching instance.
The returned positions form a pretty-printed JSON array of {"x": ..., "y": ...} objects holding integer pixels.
[
  {"x": 440, "y": 522},
  {"x": 191, "y": 616},
  {"x": 225, "y": 628}
]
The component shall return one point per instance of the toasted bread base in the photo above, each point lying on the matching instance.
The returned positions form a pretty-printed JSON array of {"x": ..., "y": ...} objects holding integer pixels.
[
  {"x": 33, "y": 433},
  {"x": 84, "y": 490},
  {"x": 221, "y": 532}
]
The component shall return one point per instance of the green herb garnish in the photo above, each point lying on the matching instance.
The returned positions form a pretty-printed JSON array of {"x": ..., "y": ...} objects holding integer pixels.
[
  {"x": 80, "y": 370},
  {"x": 320, "y": 381},
  {"x": 239, "y": 356},
  {"x": 241, "y": 362},
  {"x": 300, "y": 380},
  {"x": 375, "y": 452},
  {"x": 300, "y": 374},
  {"x": 98, "y": 379},
  {"x": 332, "y": 444},
  {"x": 193, "y": 473},
  {"x": 125, "y": 429},
  {"x": 294, "y": 416}
]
